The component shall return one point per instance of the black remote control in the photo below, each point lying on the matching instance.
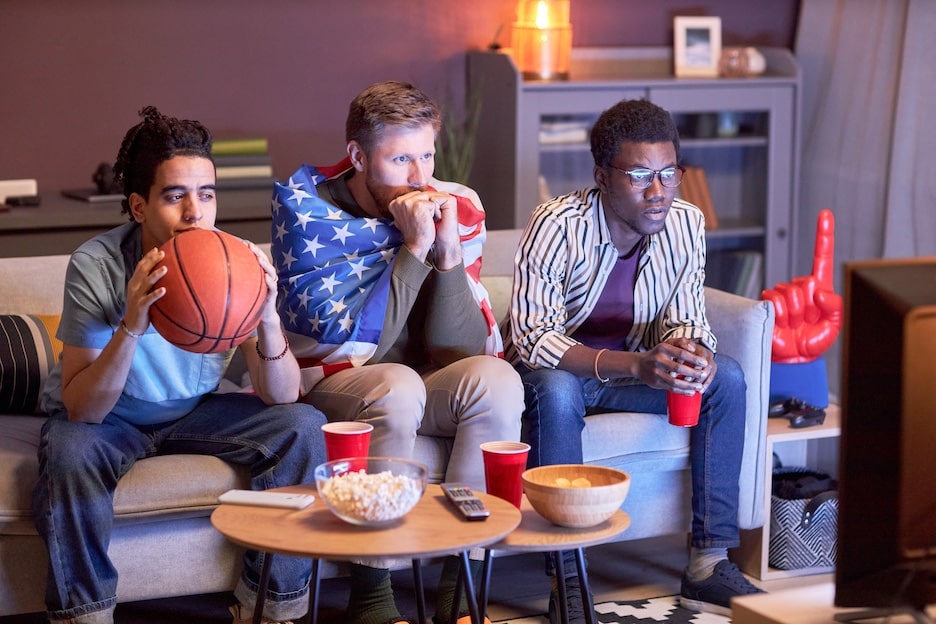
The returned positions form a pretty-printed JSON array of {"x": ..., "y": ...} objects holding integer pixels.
[{"x": 465, "y": 501}]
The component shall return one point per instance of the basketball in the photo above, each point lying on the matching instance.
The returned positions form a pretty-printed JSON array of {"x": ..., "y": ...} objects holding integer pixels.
[{"x": 215, "y": 288}]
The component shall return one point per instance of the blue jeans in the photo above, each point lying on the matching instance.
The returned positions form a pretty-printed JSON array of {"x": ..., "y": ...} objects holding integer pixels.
[
  {"x": 80, "y": 465},
  {"x": 557, "y": 403}
]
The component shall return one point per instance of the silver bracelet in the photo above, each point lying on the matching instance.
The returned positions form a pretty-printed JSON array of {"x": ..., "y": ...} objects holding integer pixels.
[{"x": 123, "y": 326}]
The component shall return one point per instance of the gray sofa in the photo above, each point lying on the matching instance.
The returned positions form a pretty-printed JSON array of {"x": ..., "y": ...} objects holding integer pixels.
[{"x": 163, "y": 543}]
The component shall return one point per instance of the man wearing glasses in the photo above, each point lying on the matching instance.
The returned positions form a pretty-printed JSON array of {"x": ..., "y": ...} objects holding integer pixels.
[{"x": 608, "y": 313}]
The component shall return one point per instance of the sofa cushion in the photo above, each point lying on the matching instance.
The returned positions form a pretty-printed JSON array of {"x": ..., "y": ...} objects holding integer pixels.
[
  {"x": 155, "y": 488},
  {"x": 28, "y": 350},
  {"x": 635, "y": 442}
]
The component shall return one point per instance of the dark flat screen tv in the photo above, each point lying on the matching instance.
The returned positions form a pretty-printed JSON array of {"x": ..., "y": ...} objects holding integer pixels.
[{"x": 886, "y": 558}]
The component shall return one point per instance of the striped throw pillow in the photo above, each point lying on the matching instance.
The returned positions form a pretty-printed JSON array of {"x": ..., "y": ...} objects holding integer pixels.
[{"x": 28, "y": 350}]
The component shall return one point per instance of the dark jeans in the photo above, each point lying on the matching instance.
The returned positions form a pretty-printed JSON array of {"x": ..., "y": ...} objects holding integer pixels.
[
  {"x": 80, "y": 464},
  {"x": 557, "y": 403}
]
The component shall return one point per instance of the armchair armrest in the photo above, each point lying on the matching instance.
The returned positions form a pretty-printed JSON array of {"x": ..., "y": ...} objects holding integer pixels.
[{"x": 744, "y": 329}]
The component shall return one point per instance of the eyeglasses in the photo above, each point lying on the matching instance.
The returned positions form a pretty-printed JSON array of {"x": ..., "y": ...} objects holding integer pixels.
[{"x": 641, "y": 177}]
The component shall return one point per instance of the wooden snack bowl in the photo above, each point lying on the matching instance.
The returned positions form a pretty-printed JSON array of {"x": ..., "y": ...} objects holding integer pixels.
[{"x": 575, "y": 507}]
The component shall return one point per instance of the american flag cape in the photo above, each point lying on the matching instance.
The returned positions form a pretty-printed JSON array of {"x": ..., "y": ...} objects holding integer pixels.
[{"x": 334, "y": 272}]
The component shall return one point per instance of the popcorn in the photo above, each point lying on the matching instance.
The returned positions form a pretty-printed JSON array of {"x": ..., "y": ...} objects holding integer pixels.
[{"x": 371, "y": 497}]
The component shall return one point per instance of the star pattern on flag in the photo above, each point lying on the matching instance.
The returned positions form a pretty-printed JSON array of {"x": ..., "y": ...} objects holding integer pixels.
[
  {"x": 334, "y": 271},
  {"x": 325, "y": 259}
]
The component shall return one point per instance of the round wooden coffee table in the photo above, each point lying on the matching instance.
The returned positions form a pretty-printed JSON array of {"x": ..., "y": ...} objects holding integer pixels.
[
  {"x": 432, "y": 529},
  {"x": 537, "y": 534}
]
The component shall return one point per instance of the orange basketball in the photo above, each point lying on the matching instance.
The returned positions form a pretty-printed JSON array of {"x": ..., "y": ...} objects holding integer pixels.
[{"x": 215, "y": 289}]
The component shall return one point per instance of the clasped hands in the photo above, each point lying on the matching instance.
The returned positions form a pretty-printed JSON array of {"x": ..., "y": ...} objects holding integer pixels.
[
  {"x": 428, "y": 220},
  {"x": 678, "y": 365},
  {"x": 808, "y": 314}
]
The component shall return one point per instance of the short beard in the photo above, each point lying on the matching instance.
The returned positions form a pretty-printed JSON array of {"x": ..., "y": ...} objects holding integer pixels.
[{"x": 383, "y": 195}]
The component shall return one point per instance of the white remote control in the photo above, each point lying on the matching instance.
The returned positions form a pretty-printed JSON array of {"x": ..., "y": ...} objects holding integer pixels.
[
  {"x": 287, "y": 500},
  {"x": 465, "y": 501}
]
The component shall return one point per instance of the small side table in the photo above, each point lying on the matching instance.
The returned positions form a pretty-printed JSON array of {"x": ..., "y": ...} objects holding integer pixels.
[
  {"x": 536, "y": 534},
  {"x": 431, "y": 529}
]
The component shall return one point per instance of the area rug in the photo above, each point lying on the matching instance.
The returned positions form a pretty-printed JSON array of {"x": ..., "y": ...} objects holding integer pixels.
[{"x": 664, "y": 609}]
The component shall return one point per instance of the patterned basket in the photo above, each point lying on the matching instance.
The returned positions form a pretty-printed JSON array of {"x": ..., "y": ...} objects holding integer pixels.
[{"x": 803, "y": 519}]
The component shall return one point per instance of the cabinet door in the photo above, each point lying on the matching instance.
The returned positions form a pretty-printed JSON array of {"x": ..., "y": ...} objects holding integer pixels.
[
  {"x": 749, "y": 167},
  {"x": 553, "y": 140}
]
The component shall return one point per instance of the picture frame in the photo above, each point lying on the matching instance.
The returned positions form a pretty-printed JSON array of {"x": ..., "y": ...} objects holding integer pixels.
[{"x": 696, "y": 46}]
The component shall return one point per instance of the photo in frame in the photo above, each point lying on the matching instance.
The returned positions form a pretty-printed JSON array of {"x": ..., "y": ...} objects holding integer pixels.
[{"x": 696, "y": 46}]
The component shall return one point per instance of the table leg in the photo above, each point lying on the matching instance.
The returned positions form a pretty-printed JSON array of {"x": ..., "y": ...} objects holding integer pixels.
[
  {"x": 586, "y": 589},
  {"x": 314, "y": 583},
  {"x": 470, "y": 595},
  {"x": 262, "y": 589},
  {"x": 561, "y": 586},
  {"x": 420, "y": 595},
  {"x": 485, "y": 581}
]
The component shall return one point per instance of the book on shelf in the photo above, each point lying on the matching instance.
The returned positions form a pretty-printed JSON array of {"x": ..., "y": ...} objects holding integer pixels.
[
  {"x": 248, "y": 183},
  {"x": 241, "y": 160},
  {"x": 557, "y": 132},
  {"x": 739, "y": 272},
  {"x": 749, "y": 282},
  {"x": 246, "y": 171},
  {"x": 226, "y": 147},
  {"x": 91, "y": 195},
  {"x": 695, "y": 190}
]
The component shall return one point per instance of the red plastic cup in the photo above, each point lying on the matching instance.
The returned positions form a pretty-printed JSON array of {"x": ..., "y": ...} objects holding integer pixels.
[
  {"x": 504, "y": 462},
  {"x": 683, "y": 409},
  {"x": 347, "y": 438}
]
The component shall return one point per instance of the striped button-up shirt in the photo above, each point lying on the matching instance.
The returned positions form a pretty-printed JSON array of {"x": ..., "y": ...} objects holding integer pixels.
[{"x": 563, "y": 262}]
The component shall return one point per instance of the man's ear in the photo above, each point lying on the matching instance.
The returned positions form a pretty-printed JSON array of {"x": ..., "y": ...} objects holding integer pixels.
[
  {"x": 137, "y": 203},
  {"x": 601, "y": 179},
  {"x": 357, "y": 155}
]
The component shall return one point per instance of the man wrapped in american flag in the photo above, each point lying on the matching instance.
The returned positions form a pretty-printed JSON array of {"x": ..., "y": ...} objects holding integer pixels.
[{"x": 381, "y": 299}]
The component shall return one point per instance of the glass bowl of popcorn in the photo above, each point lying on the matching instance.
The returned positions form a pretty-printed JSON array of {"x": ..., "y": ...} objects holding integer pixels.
[
  {"x": 371, "y": 491},
  {"x": 575, "y": 495}
]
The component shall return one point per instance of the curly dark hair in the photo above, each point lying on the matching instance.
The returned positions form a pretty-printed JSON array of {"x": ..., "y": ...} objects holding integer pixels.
[
  {"x": 151, "y": 142},
  {"x": 390, "y": 103},
  {"x": 636, "y": 121}
]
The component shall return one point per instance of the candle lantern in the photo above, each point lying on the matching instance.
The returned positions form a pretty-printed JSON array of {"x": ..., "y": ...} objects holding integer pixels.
[{"x": 542, "y": 39}]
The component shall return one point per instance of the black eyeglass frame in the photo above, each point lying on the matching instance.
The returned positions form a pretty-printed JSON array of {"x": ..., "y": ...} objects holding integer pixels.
[{"x": 656, "y": 174}]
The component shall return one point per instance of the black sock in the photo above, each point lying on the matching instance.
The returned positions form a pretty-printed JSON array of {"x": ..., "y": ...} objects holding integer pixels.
[
  {"x": 371, "y": 600},
  {"x": 446, "y": 590}
]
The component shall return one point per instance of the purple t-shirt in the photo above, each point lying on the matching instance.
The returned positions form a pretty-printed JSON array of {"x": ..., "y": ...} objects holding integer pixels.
[{"x": 609, "y": 323}]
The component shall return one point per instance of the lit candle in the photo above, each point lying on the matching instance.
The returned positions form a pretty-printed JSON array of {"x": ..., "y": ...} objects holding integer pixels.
[
  {"x": 546, "y": 66},
  {"x": 540, "y": 33}
]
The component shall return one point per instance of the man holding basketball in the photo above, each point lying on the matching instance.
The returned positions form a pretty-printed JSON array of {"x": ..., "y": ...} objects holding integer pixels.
[
  {"x": 121, "y": 392},
  {"x": 379, "y": 267}
]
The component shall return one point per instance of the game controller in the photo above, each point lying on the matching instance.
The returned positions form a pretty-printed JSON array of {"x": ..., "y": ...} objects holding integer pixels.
[{"x": 799, "y": 413}]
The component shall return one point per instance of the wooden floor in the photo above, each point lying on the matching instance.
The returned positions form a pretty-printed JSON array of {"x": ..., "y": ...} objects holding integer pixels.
[{"x": 519, "y": 587}]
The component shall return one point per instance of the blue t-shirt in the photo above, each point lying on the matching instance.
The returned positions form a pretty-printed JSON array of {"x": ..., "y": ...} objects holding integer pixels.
[{"x": 164, "y": 382}]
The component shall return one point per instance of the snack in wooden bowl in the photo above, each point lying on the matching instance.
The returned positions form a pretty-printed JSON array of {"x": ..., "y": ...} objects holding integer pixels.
[{"x": 575, "y": 495}]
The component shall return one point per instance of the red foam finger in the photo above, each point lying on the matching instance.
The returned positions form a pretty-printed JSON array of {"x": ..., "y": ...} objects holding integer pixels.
[
  {"x": 795, "y": 303},
  {"x": 824, "y": 251}
]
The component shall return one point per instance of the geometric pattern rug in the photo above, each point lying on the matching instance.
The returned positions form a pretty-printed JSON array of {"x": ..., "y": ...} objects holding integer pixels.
[{"x": 648, "y": 611}]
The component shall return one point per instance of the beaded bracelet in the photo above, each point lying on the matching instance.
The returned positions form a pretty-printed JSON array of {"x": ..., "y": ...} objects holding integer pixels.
[
  {"x": 597, "y": 375},
  {"x": 267, "y": 358},
  {"x": 123, "y": 326}
]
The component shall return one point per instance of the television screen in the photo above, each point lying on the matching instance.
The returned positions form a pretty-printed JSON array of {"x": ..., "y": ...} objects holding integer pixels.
[{"x": 887, "y": 500}]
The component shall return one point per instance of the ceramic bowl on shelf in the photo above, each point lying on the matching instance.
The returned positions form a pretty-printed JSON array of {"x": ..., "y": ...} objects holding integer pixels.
[
  {"x": 575, "y": 495},
  {"x": 371, "y": 491}
]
